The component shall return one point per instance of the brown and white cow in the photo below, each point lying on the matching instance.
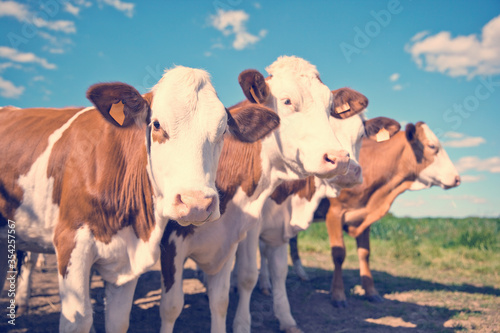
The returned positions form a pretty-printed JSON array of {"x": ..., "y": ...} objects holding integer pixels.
[
  {"x": 303, "y": 145},
  {"x": 407, "y": 160},
  {"x": 277, "y": 223},
  {"x": 291, "y": 209},
  {"x": 98, "y": 185}
]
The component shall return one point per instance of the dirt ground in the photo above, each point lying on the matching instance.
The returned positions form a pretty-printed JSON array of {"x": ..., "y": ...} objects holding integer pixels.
[{"x": 411, "y": 305}]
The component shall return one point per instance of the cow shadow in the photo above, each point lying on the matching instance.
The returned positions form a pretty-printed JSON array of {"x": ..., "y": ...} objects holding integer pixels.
[{"x": 310, "y": 305}]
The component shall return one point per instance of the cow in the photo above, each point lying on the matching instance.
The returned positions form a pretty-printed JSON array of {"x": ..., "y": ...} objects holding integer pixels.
[
  {"x": 303, "y": 145},
  {"x": 99, "y": 185},
  {"x": 398, "y": 161},
  {"x": 291, "y": 208}
]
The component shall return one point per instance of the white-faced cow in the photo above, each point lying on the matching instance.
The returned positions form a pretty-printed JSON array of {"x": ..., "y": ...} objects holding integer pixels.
[
  {"x": 407, "y": 160},
  {"x": 303, "y": 145},
  {"x": 98, "y": 185},
  {"x": 278, "y": 224}
]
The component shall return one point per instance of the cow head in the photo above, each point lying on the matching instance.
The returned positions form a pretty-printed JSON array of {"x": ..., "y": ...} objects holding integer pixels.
[
  {"x": 347, "y": 123},
  {"x": 357, "y": 129},
  {"x": 434, "y": 167},
  {"x": 304, "y": 141},
  {"x": 184, "y": 123}
]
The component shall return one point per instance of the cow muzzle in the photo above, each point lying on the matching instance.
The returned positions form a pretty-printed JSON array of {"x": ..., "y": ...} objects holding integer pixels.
[
  {"x": 333, "y": 163},
  {"x": 195, "y": 207},
  {"x": 351, "y": 178}
]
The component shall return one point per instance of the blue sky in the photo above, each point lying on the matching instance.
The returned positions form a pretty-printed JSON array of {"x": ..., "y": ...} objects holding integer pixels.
[{"x": 432, "y": 61}]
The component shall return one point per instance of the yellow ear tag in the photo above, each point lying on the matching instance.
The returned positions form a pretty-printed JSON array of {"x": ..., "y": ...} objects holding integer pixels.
[
  {"x": 343, "y": 108},
  {"x": 117, "y": 112},
  {"x": 382, "y": 135}
]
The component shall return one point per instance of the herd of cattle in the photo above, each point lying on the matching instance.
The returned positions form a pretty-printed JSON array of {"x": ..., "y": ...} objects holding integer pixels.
[{"x": 173, "y": 174}]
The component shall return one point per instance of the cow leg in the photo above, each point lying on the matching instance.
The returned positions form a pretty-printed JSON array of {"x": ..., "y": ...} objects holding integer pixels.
[
  {"x": 118, "y": 306},
  {"x": 218, "y": 294},
  {"x": 363, "y": 243},
  {"x": 172, "y": 295},
  {"x": 278, "y": 266},
  {"x": 335, "y": 233},
  {"x": 74, "y": 283},
  {"x": 24, "y": 282},
  {"x": 264, "y": 279},
  {"x": 246, "y": 258},
  {"x": 297, "y": 263}
]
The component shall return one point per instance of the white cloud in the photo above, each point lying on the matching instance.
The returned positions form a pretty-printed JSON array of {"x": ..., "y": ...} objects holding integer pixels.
[
  {"x": 232, "y": 22},
  {"x": 17, "y": 56},
  {"x": 453, "y": 135},
  {"x": 491, "y": 164},
  {"x": 419, "y": 36},
  {"x": 126, "y": 7},
  {"x": 471, "y": 178},
  {"x": 465, "y": 197},
  {"x": 72, "y": 9},
  {"x": 57, "y": 44},
  {"x": 9, "y": 90},
  {"x": 459, "y": 56},
  {"x": 460, "y": 140},
  {"x": 394, "y": 77},
  {"x": 14, "y": 9},
  {"x": 23, "y": 14},
  {"x": 397, "y": 87},
  {"x": 38, "y": 78},
  {"x": 5, "y": 65}
]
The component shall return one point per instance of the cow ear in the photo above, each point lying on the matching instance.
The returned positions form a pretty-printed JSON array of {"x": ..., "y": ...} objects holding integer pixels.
[
  {"x": 251, "y": 122},
  {"x": 411, "y": 131},
  {"x": 120, "y": 104},
  {"x": 347, "y": 102},
  {"x": 254, "y": 86},
  {"x": 381, "y": 128}
]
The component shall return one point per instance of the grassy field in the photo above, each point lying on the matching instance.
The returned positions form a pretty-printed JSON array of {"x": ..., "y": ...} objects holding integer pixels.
[{"x": 450, "y": 263}]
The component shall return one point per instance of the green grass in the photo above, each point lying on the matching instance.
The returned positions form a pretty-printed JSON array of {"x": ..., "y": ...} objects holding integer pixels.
[{"x": 469, "y": 247}]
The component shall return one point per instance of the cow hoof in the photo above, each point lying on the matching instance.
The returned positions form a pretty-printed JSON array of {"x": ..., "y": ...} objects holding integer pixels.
[
  {"x": 300, "y": 271},
  {"x": 293, "y": 329},
  {"x": 375, "y": 298},
  {"x": 266, "y": 291},
  {"x": 340, "y": 304}
]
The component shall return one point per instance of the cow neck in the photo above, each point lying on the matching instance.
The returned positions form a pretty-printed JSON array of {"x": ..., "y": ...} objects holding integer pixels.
[
  {"x": 304, "y": 188},
  {"x": 387, "y": 166},
  {"x": 240, "y": 165},
  {"x": 116, "y": 182}
]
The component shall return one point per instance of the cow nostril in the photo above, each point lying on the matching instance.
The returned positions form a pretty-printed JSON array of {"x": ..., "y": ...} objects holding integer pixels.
[
  {"x": 329, "y": 159},
  {"x": 178, "y": 199},
  {"x": 457, "y": 180}
]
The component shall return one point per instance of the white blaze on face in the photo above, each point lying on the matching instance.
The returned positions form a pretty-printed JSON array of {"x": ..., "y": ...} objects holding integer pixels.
[
  {"x": 441, "y": 172},
  {"x": 303, "y": 103},
  {"x": 183, "y": 165}
]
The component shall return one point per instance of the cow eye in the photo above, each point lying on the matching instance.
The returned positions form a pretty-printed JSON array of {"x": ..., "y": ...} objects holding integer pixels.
[
  {"x": 431, "y": 146},
  {"x": 156, "y": 124},
  {"x": 287, "y": 101}
]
